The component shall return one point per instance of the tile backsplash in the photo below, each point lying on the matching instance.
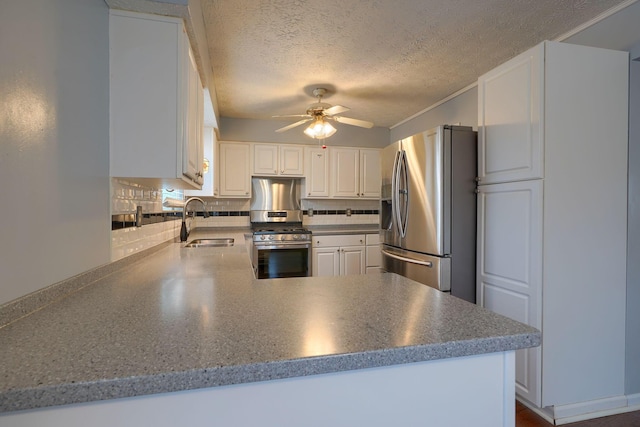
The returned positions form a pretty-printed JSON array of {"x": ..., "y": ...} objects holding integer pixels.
[
  {"x": 162, "y": 223},
  {"x": 159, "y": 225},
  {"x": 329, "y": 212}
]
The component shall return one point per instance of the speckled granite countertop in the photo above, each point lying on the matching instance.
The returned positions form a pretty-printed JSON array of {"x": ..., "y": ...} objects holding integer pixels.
[{"x": 186, "y": 318}]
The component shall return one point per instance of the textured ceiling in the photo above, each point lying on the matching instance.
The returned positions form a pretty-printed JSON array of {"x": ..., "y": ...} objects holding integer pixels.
[{"x": 385, "y": 59}]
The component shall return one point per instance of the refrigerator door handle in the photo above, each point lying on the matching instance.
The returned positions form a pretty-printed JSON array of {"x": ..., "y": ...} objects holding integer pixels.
[
  {"x": 405, "y": 259},
  {"x": 394, "y": 193},
  {"x": 402, "y": 189}
]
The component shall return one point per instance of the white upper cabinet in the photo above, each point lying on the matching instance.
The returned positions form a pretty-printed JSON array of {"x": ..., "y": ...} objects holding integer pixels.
[
  {"x": 345, "y": 172},
  {"x": 210, "y": 180},
  {"x": 355, "y": 173},
  {"x": 291, "y": 160},
  {"x": 274, "y": 160},
  {"x": 193, "y": 147},
  {"x": 265, "y": 159},
  {"x": 510, "y": 120},
  {"x": 316, "y": 172},
  {"x": 234, "y": 173},
  {"x": 155, "y": 117},
  {"x": 370, "y": 175}
]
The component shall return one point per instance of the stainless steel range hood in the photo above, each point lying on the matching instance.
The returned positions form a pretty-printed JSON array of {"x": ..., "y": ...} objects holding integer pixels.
[{"x": 275, "y": 200}]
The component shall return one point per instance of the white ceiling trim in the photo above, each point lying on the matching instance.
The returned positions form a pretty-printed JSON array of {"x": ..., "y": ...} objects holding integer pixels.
[
  {"x": 560, "y": 38},
  {"x": 437, "y": 104},
  {"x": 595, "y": 20}
]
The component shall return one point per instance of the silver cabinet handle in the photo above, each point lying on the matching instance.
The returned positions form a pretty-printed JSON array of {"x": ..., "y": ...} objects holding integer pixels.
[{"x": 411, "y": 260}]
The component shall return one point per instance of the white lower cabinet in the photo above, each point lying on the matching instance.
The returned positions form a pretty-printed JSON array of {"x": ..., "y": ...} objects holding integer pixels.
[
  {"x": 338, "y": 255},
  {"x": 373, "y": 259}
]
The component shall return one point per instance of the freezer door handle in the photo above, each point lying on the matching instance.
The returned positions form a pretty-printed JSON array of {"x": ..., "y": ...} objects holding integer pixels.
[
  {"x": 405, "y": 259},
  {"x": 401, "y": 189}
]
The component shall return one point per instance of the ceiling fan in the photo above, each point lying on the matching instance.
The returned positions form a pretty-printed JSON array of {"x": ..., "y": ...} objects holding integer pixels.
[{"x": 319, "y": 113}]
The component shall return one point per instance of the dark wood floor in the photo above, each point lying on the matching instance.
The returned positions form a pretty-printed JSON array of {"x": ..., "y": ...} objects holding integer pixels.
[{"x": 525, "y": 417}]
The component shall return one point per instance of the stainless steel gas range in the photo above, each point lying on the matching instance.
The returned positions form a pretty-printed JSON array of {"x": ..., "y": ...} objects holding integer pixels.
[
  {"x": 281, "y": 246},
  {"x": 281, "y": 252}
]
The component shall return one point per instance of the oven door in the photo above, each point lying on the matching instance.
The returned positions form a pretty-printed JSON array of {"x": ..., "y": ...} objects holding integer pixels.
[{"x": 281, "y": 260}]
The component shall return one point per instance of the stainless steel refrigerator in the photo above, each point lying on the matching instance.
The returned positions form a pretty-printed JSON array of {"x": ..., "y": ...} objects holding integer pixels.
[{"x": 428, "y": 209}]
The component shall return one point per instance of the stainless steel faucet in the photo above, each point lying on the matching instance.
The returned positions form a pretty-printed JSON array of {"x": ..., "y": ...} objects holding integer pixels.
[{"x": 184, "y": 233}]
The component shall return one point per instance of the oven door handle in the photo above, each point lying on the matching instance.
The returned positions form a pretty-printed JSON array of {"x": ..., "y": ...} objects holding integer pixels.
[{"x": 282, "y": 246}]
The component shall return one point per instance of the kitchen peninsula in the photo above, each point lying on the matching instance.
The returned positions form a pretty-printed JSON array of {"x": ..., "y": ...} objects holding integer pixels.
[{"x": 188, "y": 335}]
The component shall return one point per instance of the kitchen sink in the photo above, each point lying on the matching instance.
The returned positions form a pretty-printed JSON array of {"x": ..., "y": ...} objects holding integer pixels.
[{"x": 209, "y": 243}]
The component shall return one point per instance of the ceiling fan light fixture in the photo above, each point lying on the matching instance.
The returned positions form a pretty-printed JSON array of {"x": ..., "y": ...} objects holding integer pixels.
[{"x": 320, "y": 129}]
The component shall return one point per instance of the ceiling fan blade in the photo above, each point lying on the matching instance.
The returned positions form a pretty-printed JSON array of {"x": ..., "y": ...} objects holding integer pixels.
[
  {"x": 354, "y": 122},
  {"x": 336, "y": 109},
  {"x": 291, "y": 115},
  {"x": 291, "y": 126}
]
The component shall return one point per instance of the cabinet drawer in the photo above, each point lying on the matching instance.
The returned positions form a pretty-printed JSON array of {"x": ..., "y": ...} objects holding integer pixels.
[
  {"x": 373, "y": 239},
  {"x": 339, "y": 240}
]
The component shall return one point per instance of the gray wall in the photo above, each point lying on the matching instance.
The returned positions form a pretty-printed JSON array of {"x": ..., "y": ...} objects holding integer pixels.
[
  {"x": 54, "y": 141},
  {"x": 632, "y": 385},
  {"x": 463, "y": 110},
  {"x": 265, "y": 131}
]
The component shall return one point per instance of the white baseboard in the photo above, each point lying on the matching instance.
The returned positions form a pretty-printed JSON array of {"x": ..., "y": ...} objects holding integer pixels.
[
  {"x": 565, "y": 414},
  {"x": 633, "y": 400},
  {"x": 544, "y": 413}
]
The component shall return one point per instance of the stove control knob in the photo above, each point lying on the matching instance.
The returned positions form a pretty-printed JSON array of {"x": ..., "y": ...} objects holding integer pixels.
[
  {"x": 262, "y": 237},
  {"x": 270, "y": 237},
  {"x": 296, "y": 237},
  {"x": 283, "y": 237}
]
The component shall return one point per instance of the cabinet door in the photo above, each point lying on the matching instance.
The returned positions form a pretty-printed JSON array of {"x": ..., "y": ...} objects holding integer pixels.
[
  {"x": 235, "y": 176},
  {"x": 151, "y": 114},
  {"x": 509, "y": 276},
  {"x": 374, "y": 256},
  {"x": 345, "y": 172},
  {"x": 316, "y": 172},
  {"x": 214, "y": 164},
  {"x": 192, "y": 147},
  {"x": 352, "y": 260},
  {"x": 370, "y": 174},
  {"x": 326, "y": 261},
  {"x": 208, "y": 180},
  {"x": 265, "y": 159},
  {"x": 145, "y": 118},
  {"x": 291, "y": 160},
  {"x": 510, "y": 102}
]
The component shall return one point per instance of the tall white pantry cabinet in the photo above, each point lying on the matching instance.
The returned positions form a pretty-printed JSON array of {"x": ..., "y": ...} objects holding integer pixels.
[{"x": 552, "y": 134}]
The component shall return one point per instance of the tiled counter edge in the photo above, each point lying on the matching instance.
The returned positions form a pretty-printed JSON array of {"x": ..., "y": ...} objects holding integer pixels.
[{"x": 23, "y": 306}]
